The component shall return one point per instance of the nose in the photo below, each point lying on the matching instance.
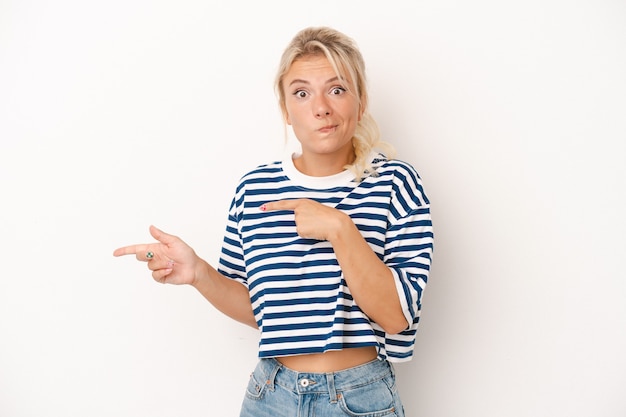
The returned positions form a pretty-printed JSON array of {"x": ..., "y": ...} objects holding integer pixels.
[{"x": 322, "y": 107}]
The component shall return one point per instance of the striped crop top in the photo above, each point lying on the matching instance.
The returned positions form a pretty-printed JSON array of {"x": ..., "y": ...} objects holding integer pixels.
[{"x": 300, "y": 300}]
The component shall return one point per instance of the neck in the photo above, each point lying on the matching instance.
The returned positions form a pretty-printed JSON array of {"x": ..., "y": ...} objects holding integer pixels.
[{"x": 316, "y": 165}]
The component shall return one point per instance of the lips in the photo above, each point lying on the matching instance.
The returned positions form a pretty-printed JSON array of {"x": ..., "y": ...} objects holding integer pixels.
[{"x": 327, "y": 129}]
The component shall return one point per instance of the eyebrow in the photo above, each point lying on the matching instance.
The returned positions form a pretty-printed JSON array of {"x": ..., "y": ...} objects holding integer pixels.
[{"x": 298, "y": 80}]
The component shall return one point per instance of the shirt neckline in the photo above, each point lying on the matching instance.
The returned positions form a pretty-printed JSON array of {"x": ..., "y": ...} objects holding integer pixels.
[{"x": 340, "y": 179}]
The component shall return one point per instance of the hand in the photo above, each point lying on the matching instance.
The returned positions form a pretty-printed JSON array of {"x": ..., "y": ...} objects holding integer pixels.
[
  {"x": 171, "y": 260},
  {"x": 313, "y": 220}
]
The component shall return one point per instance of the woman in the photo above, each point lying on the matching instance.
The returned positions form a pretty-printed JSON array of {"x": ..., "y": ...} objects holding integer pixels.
[{"x": 326, "y": 252}]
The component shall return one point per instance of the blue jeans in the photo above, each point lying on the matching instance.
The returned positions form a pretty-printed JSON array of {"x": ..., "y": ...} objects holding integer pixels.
[{"x": 367, "y": 390}]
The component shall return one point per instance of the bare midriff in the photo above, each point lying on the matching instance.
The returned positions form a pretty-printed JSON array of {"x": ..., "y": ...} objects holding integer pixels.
[{"x": 332, "y": 361}]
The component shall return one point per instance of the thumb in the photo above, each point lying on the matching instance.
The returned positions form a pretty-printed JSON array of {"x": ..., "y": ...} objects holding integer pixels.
[{"x": 161, "y": 236}]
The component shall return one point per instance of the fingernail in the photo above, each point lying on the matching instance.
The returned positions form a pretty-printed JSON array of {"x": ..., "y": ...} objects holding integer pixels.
[{"x": 263, "y": 207}]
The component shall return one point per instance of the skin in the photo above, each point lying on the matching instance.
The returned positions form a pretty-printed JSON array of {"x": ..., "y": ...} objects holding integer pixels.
[{"x": 323, "y": 116}]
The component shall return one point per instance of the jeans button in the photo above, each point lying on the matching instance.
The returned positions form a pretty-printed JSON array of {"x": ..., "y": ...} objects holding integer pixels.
[{"x": 304, "y": 382}]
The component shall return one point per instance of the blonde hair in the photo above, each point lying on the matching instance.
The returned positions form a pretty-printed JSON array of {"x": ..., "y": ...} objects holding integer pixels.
[{"x": 347, "y": 61}]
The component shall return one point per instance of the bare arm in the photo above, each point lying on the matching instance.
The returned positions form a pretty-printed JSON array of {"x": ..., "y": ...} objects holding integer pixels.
[
  {"x": 370, "y": 280},
  {"x": 172, "y": 261},
  {"x": 227, "y": 295}
]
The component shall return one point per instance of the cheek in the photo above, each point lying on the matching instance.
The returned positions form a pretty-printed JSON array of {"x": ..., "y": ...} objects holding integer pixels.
[
  {"x": 352, "y": 112},
  {"x": 289, "y": 115},
  {"x": 286, "y": 116},
  {"x": 294, "y": 117}
]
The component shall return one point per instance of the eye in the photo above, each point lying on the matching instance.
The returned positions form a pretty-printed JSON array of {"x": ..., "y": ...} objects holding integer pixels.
[
  {"x": 337, "y": 91},
  {"x": 300, "y": 94}
]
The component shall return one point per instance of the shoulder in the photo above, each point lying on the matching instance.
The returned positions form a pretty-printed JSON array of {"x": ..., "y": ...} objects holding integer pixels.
[
  {"x": 403, "y": 176},
  {"x": 262, "y": 179},
  {"x": 264, "y": 173},
  {"x": 398, "y": 168},
  {"x": 263, "y": 170}
]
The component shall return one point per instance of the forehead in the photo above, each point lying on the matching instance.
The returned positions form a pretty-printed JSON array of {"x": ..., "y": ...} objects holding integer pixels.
[
  {"x": 314, "y": 69},
  {"x": 309, "y": 66}
]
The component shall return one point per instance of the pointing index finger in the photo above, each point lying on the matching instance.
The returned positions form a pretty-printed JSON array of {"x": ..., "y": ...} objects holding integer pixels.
[
  {"x": 130, "y": 250},
  {"x": 280, "y": 205}
]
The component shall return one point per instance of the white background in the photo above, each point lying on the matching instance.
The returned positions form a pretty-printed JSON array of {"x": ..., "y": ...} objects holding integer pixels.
[{"x": 120, "y": 114}]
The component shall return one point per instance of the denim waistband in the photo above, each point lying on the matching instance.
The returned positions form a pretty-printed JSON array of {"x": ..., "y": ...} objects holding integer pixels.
[{"x": 310, "y": 382}]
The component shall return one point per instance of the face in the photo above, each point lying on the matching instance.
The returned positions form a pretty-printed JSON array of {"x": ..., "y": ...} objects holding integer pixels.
[{"x": 321, "y": 111}]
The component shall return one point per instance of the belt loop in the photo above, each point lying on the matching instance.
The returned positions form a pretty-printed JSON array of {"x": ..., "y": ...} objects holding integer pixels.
[
  {"x": 272, "y": 375},
  {"x": 391, "y": 369},
  {"x": 330, "y": 380}
]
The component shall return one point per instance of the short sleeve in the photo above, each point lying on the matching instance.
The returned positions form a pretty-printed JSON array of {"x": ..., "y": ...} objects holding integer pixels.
[
  {"x": 231, "y": 263},
  {"x": 409, "y": 241}
]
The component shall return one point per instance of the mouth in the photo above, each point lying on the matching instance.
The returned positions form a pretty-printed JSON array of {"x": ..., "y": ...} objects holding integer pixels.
[{"x": 327, "y": 129}]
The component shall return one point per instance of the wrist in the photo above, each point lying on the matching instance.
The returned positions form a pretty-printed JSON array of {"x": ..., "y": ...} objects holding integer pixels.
[
  {"x": 345, "y": 226},
  {"x": 200, "y": 273}
]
